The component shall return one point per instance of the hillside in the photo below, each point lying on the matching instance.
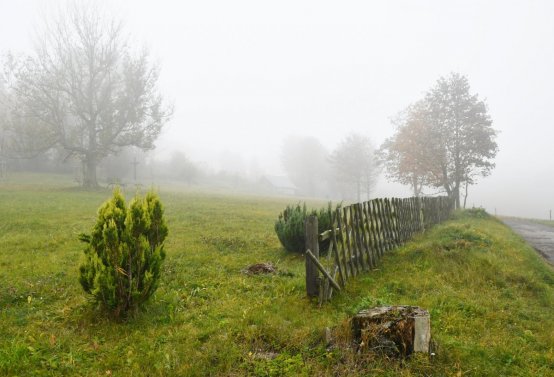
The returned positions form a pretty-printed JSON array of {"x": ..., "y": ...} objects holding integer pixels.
[{"x": 490, "y": 295}]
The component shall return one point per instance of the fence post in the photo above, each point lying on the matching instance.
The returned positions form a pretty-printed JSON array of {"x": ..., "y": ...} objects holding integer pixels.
[{"x": 312, "y": 244}]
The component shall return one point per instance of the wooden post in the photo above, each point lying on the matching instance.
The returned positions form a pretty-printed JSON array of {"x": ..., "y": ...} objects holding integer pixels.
[
  {"x": 312, "y": 244},
  {"x": 320, "y": 267}
]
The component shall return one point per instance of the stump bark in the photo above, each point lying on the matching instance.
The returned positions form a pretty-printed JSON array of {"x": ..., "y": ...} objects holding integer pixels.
[{"x": 393, "y": 330}]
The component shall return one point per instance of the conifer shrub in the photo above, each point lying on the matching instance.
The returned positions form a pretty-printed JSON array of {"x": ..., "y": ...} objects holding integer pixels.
[
  {"x": 124, "y": 253},
  {"x": 290, "y": 227}
]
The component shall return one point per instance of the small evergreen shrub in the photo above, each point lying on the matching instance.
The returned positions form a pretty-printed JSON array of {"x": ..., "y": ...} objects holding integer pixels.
[
  {"x": 124, "y": 252},
  {"x": 290, "y": 227}
]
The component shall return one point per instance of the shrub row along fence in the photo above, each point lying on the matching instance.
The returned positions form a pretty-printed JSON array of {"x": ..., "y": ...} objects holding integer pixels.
[{"x": 361, "y": 234}]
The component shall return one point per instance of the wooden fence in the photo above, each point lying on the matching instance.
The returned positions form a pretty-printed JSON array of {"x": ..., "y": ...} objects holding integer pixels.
[{"x": 361, "y": 234}]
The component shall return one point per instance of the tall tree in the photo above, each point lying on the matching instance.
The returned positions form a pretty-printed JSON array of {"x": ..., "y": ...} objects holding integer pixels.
[
  {"x": 84, "y": 89},
  {"x": 355, "y": 166},
  {"x": 462, "y": 127},
  {"x": 451, "y": 136},
  {"x": 406, "y": 156}
]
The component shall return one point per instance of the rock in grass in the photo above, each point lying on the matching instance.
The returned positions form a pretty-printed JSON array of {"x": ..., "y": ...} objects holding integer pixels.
[{"x": 392, "y": 330}]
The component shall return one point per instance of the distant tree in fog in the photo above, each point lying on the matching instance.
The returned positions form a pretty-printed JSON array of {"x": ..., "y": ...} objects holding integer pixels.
[
  {"x": 306, "y": 163},
  {"x": 7, "y": 137},
  {"x": 3, "y": 116},
  {"x": 407, "y": 156},
  {"x": 84, "y": 90},
  {"x": 355, "y": 167},
  {"x": 447, "y": 140},
  {"x": 182, "y": 168}
]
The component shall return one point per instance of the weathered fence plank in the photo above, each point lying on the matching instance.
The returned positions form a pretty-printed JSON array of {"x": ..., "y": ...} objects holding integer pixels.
[
  {"x": 342, "y": 253},
  {"x": 335, "y": 250},
  {"x": 378, "y": 227},
  {"x": 365, "y": 235},
  {"x": 320, "y": 267},
  {"x": 369, "y": 233},
  {"x": 312, "y": 243},
  {"x": 350, "y": 251}
]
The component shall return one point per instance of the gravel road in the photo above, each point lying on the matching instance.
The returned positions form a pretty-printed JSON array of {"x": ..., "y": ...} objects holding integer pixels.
[{"x": 541, "y": 237}]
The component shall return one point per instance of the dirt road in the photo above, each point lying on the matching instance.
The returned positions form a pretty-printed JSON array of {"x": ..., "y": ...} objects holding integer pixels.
[{"x": 541, "y": 237}]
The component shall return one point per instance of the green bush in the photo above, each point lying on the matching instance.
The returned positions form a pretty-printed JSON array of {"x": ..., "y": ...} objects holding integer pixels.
[
  {"x": 290, "y": 227},
  {"x": 471, "y": 213},
  {"x": 124, "y": 252}
]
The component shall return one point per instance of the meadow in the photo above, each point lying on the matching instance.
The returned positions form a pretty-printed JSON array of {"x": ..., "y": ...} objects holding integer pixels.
[{"x": 491, "y": 297}]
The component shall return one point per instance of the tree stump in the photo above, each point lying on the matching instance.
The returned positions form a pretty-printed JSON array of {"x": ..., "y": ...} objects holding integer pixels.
[{"x": 392, "y": 330}]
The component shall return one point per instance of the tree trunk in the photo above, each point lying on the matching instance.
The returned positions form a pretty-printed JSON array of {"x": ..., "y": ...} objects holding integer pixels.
[
  {"x": 465, "y": 196},
  {"x": 457, "y": 199},
  {"x": 89, "y": 173},
  {"x": 456, "y": 193},
  {"x": 89, "y": 180},
  {"x": 416, "y": 187}
]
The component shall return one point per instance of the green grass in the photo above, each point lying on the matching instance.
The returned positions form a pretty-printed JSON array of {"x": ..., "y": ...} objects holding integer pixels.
[
  {"x": 490, "y": 296},
  {"x": 538, "y": 221}
]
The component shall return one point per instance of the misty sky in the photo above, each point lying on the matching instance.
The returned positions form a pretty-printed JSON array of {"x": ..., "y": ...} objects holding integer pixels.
[{"x": 245, "y": 74}]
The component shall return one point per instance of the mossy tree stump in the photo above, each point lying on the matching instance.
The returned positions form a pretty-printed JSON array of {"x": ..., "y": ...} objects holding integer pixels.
[{"x": 392, "y": 330}]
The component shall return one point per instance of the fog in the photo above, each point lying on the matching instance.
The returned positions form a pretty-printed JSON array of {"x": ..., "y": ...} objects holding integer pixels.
[{"x": 245, "y": 75}]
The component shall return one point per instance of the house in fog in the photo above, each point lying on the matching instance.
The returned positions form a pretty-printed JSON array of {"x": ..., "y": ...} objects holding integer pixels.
[{"x": 278, "y": 184}]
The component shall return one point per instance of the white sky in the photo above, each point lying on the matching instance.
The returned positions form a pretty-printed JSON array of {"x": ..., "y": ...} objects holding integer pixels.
[{"x": 244, "y": 74}]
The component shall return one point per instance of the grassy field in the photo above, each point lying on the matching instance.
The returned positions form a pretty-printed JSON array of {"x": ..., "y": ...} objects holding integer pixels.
[{"x": 490, "y": 296}]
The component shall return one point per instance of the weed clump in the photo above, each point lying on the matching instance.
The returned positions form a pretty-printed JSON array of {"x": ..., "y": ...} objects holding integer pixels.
[
  {"x": 472, "y": 213},
  {"x": 124, "y": 252},
  {"x": 290, "y": 227},
  {"x": 462, "y": 237}
]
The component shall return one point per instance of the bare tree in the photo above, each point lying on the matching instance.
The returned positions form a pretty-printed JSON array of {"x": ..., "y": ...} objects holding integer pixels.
[
  {"x": 86, "y": 91},
  {"x": 355, "y": 167}
]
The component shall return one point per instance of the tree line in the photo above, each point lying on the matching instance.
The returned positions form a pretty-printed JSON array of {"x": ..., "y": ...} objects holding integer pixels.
[
  {"x": 349, "y": 172},
  {"x": 86, "y": 94}
]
